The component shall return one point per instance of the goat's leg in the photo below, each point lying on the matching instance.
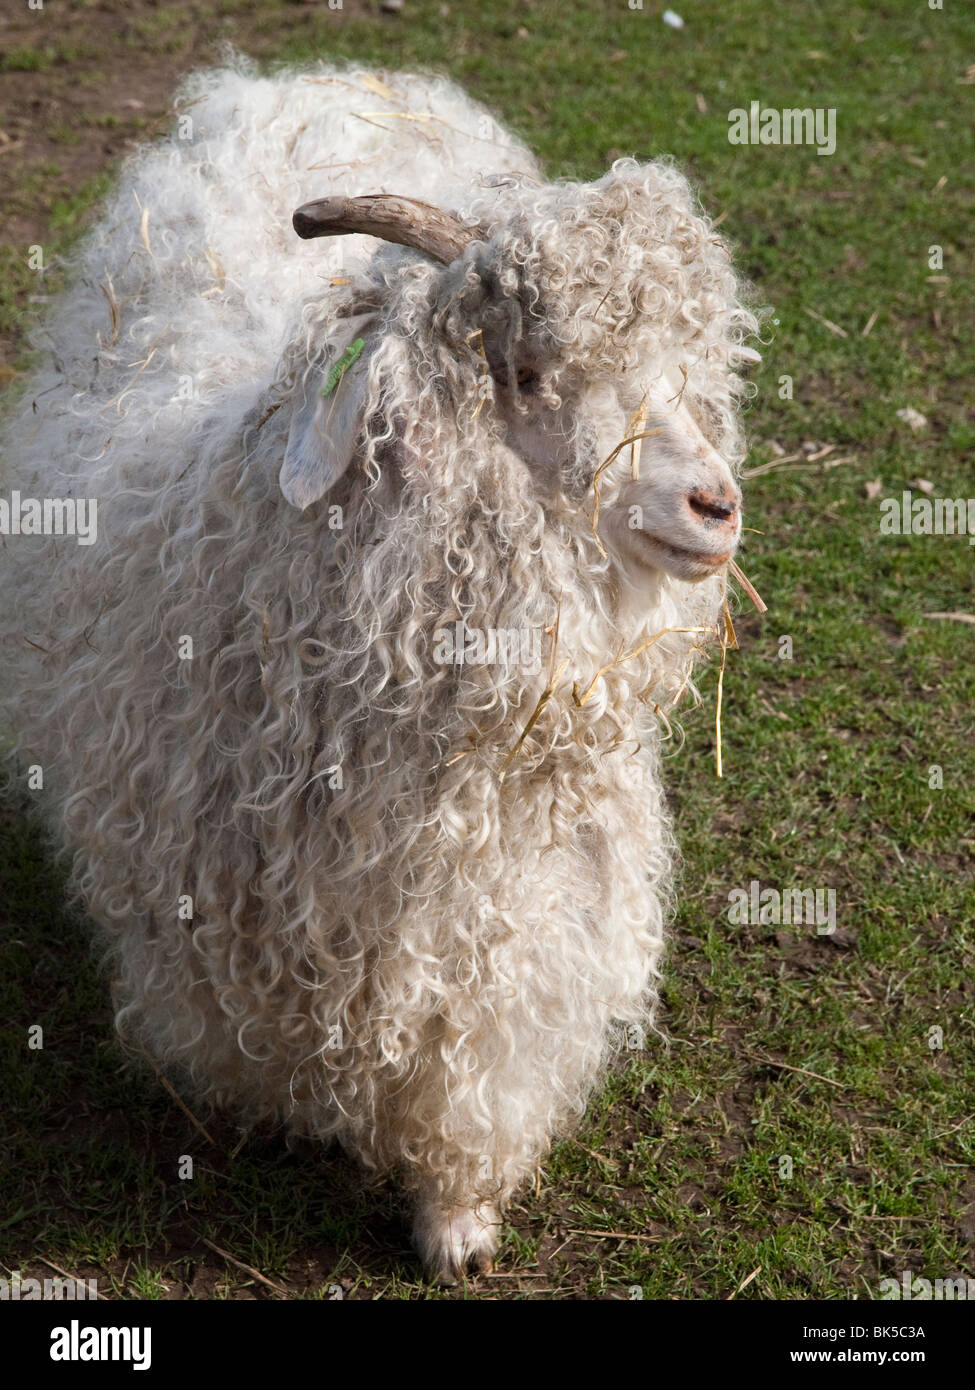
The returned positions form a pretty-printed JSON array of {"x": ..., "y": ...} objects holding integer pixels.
[
  {"x": 454, "y": 1238},
  {"x": 471, "y": 1160}
]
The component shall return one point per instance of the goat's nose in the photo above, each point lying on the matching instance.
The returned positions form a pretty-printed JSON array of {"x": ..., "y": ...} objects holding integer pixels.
[{"x": 721, "y": 508}]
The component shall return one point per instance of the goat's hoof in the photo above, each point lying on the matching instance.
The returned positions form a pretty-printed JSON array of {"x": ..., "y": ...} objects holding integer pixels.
[{"x": 457, "y": 1241}]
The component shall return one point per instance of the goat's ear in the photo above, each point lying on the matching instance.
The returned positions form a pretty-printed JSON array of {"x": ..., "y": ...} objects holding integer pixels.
[
  {"x": 327, "y": 420},
  {"x": 746, "y": 355}
]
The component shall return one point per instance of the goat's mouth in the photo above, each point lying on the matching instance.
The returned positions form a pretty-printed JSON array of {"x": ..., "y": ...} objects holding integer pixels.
[{"x": 680, "y": 559}]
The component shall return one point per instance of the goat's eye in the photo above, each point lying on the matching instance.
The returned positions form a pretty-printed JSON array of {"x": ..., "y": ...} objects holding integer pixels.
[{"x": 527, "y": 379}]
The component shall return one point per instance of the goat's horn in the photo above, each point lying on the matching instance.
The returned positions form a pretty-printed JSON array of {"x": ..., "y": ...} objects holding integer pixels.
[{"x": 403, "y": 220}]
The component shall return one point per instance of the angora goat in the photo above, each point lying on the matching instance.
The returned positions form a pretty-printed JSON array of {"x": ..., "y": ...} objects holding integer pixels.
[{"x": 347, "y": 716}]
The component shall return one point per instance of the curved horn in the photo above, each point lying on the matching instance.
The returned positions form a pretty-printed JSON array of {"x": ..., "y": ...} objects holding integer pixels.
[{"x": 403, "y": 220}]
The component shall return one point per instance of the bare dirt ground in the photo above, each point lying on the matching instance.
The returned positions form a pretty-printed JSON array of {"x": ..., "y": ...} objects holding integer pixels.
[{"x": 81, "y": 87}]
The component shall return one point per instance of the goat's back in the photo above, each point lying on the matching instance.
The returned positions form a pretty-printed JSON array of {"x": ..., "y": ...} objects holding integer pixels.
[{"x": 190, "y": 287}]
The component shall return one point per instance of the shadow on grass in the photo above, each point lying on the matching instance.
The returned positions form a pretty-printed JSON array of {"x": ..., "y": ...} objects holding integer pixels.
[{"x": 108, "y": 1176}]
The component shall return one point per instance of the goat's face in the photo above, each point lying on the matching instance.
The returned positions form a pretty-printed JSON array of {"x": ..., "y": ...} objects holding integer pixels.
[{"x": 675, "y": 508}]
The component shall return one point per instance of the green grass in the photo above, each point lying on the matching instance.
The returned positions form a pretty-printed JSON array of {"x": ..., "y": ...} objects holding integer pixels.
[
  {"x": 784, "y": 1043},
  {"x": 27, "y": 60}
]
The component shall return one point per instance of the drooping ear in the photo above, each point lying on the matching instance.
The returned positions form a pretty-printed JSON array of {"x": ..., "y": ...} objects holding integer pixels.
[
  {"x": 744, "y": 354},
  {"x": 327, "y": 420}
]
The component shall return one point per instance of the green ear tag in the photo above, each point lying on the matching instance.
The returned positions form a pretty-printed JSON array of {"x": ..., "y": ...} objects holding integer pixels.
[{"x": 338, "y": 371}]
